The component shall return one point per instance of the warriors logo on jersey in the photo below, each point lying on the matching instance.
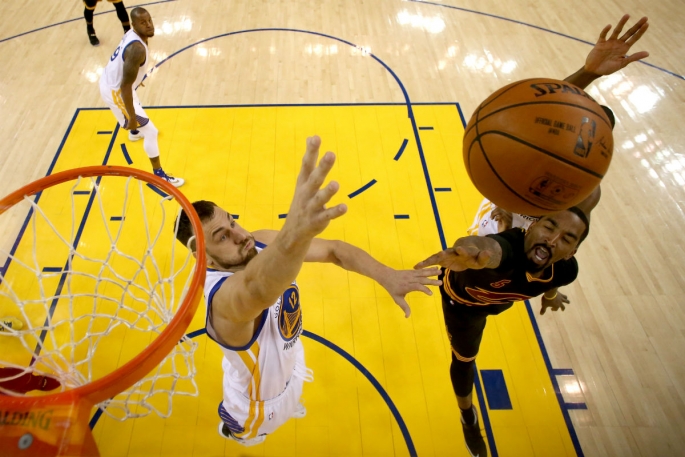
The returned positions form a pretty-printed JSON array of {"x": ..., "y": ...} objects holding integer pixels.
[{"x": 290, "y": 314}]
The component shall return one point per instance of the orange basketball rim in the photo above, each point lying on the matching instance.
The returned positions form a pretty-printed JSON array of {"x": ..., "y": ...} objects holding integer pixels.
[{"x": 57, "y": 424}]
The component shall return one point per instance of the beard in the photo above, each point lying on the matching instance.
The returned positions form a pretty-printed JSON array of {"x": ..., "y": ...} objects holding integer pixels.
[{"x": 249, "y": 255}]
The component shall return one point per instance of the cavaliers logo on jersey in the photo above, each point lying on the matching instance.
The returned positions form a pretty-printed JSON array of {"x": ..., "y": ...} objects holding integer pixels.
[
  {"x": 498, "y": 284},
  {"x": 290, "y": 314}
]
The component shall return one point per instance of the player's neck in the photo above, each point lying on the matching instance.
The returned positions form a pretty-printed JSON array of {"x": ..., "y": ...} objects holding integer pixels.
[{"x": 143, "y": 38}]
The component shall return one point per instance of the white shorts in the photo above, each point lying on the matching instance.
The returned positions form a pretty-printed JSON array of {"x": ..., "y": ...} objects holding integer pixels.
[
  {"x": 484, "y": 224},
  {"x": 115, "y": 103},
  {"x": 248, "y": 419}
]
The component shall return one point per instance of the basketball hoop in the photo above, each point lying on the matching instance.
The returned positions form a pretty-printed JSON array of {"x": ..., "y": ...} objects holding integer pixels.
[{"x": 132, "y": 283}]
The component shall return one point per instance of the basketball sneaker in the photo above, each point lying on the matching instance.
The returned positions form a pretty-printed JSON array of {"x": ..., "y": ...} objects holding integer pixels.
[
  {"x": 300, "y": 411},
  {"x": 226, "y": 433},
  {"x": 10, "y": 323},
  {"x": 473, "y": 438},
  {"x": 135, "y": 136},
  {"x": 93, "y": 39},
  {"x": 176, "y": 182}
]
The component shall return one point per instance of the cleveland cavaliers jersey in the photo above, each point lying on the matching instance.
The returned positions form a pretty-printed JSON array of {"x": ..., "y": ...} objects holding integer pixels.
[
  {"x": 114, "y": 71},
  {"x": 262, "y": 368},
  {"x": 498, "y": 287}
]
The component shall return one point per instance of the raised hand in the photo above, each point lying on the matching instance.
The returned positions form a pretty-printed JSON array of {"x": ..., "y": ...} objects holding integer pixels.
[
  {"x": 308, "y": 215},
  {"x": 469, "y": 252},
  {"x": 399, "y": 283},
  {"x": 556, "y": 303},
  {"x": 610, "y": 55}
]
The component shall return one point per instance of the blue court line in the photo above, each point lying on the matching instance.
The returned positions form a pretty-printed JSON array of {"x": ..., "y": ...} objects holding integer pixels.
[
  {"x": 283, "y": 216},
  {"x": 401, "y": 216},
  {"x": 330, "y": 345},
  {"x": 20, "y": 235},
  {"x": 399, "y": 153},
  {"x": 410, "y": 111},
  {"x": 425, "y": 128},
  {"x": 81, "y": 192},
  {"x": 52, "y": 269},
  {"x": 496, "y": 389},
  {"x": 461, "y": 115},
  {"x": 104, "y": 132},
  {"x": 557, "y": 391},
  {"x": 575, "y": 405},
  {"x": 75, "y": 244},
  {"x": 127, "y": 157},
  {"x": 279, "y": 105},
  {"x": 157, "y": 190},
  {"x": 494, "y": 16},
  {"x": 373, "y": 381},
  {"x": 80, "y": 19},
  {"x": 443, "y": 189},
  {"x": 116, "y": 218},
  {"x": 563, "y": 371},
  {"x": 362, "y": 188}
]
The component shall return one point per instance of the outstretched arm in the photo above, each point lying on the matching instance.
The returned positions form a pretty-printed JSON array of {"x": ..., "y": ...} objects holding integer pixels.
[
  {"x": 611, "y": 55},
  {"x": 243, "y": 296},
  {"x": 468, "y": 253},
  {"x": 398, "y": 283}
]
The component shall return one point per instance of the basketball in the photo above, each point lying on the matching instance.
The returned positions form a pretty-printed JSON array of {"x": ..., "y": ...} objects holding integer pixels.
[{"x": 538, "y": 146}]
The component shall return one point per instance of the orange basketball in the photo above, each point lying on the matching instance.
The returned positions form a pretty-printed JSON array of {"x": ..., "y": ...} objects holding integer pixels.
[{"x": 538, "y": 146}]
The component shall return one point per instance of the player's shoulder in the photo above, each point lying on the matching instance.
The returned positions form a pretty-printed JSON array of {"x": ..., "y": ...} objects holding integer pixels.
[{"x": 265, "y": 236}]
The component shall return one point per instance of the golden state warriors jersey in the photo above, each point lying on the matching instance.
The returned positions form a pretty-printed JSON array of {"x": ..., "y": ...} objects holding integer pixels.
[
  {"x": 114, "y": 71},
  {"x": 262, "y": 368}
]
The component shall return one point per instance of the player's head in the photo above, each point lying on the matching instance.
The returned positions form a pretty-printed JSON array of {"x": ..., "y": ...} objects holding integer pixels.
[
  {"x": 610, "y": 115},
  {"x": 227, "y": 244},
  {"x": 142, "y": 22},
  {"x": 555, "y": 237}
]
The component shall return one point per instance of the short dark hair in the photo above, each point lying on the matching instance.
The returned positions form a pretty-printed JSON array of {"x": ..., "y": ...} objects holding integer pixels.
[
  {"x": 583, "y": 217},
  {"x": 610, "y": 115},
  {"x": 204, "y": 210}
]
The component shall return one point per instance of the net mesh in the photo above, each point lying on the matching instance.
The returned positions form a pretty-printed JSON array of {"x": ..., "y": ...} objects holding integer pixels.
[{"x": 93, "y": 277}]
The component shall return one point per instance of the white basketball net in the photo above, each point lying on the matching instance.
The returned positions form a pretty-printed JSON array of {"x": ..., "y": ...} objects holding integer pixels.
[{"x": 93, "y": 284}]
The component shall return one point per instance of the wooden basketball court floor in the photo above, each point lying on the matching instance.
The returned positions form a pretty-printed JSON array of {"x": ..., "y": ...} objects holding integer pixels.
[{"x": 387, "y": 84}]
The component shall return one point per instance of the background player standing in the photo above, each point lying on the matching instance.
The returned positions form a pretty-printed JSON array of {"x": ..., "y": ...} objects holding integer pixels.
[
  {"x": 126, "y": 69},
  {"x": 88, "y": 15}
]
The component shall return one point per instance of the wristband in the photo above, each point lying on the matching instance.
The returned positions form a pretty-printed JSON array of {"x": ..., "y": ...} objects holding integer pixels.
[{"x": 550, "y": 298}]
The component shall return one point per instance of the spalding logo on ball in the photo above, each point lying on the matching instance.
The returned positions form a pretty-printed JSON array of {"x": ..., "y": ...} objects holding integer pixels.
[{"x": 538, "y": 146}]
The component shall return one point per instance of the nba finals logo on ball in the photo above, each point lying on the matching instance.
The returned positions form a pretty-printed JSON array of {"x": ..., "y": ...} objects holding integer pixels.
[{"x": 538, "y": 146}]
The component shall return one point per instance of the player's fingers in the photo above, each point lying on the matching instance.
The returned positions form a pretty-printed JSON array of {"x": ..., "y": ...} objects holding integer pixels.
[
  {"x": 635, "y": 57},
  {"x": 323, "y": 196},
  {"x": 619, "y": 26},
  {"x": 311, "y": 153},
  {"x": 563, "y": 308},
  {"x": 402, "y": 303},
  {"x": 428, "y": 272},
  {"x": 565, "y": 300},
  {"x": 483, "y": 258},
  {"x": 603, "y": 33},
  {"x": 334, "y": 212},
  {"x": 430, "y": 282},
  {"x": 318, "y": 175},
  {"x": 432, "y": 260},
  {"x": 543, "y": 309},
  {"x": 422, "y": 288},
  {"x": 636, "y": 31}
]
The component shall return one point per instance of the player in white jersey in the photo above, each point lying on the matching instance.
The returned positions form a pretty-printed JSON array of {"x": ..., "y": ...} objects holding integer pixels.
[
  {"x": 253, "y": 302},
  {"x": 125, "y": 71}
]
